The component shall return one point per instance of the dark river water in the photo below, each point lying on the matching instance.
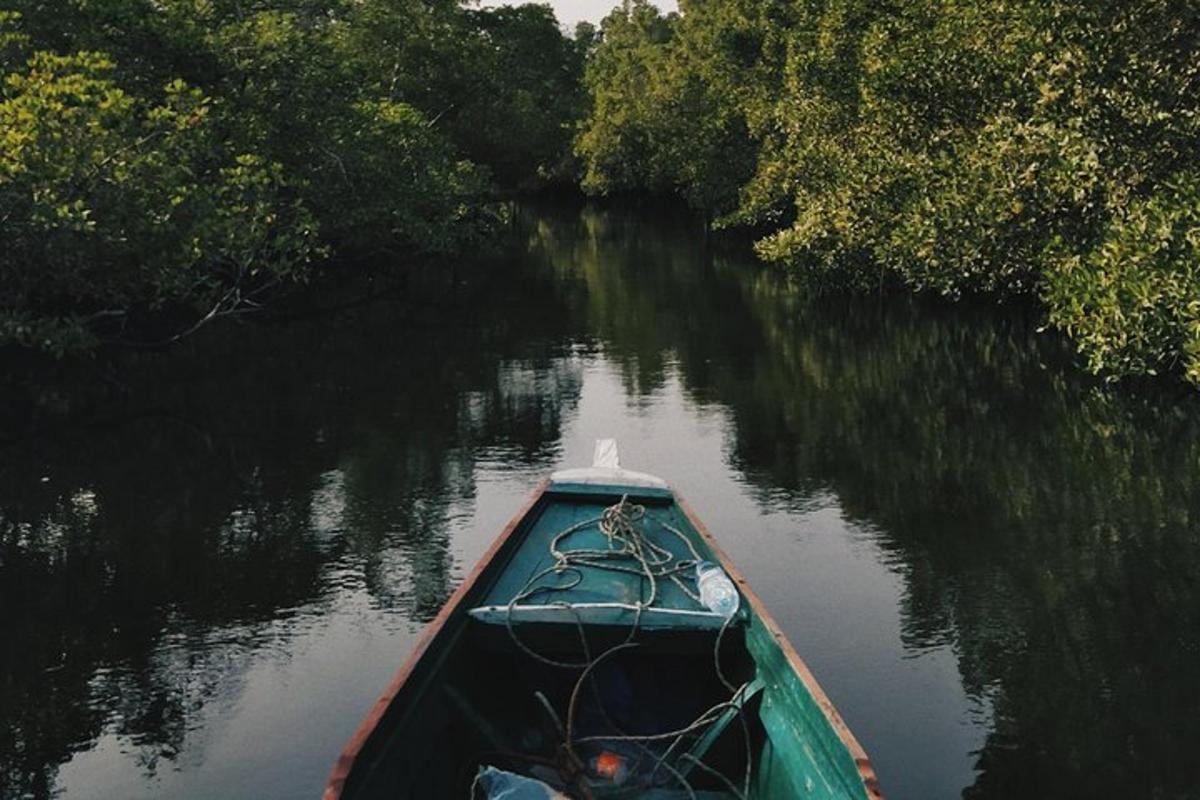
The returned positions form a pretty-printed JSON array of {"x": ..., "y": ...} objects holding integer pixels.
[{"x": 212, "y": 560}]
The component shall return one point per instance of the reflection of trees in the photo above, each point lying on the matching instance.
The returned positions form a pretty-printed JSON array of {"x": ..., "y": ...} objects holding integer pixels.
[
  {"x": 642, "y": 288},
  {"x": 247, "y": 475},
  {"x": 1046, "y": 527},
  {"x": 106, "y": 606}
]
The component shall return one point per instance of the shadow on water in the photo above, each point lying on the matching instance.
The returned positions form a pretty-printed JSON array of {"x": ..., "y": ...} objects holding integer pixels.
[
  {"x": 151, "y": 532},
  {"x": 156, "y": 529}
]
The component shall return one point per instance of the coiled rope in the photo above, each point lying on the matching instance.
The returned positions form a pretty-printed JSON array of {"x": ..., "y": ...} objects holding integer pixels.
[{"x": 629, "y": 551}]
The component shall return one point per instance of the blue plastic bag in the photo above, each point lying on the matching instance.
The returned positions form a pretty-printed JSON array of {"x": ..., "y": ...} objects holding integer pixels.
[{"x": 500, "y": 785}]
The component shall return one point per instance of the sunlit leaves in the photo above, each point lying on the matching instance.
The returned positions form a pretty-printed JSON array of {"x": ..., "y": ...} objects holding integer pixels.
[
  {"x": 1133, "y": 302},
  {"x": 110, "y": 201},
  {"x": 1000, "y": 147},
  {"x": 661, "y": 115},
  {"x": 187, "y": 153}
]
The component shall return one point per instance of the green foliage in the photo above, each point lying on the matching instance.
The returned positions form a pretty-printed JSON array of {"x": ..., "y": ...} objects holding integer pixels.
[
  {"x": 1000, "y": 147},
  {"x": 501, "y": 83},
  {"x": 402, "y": 173},
  {"x": 617, "y": 142},
  {"x": 528, "y": 86},
  {"x": 110, "y": 202},
  {"x": 190, "y": 153},
  {"x": 658, "y": 120},
  {"x": 1133, "y": 302},
  {"x": 374, "y": 170}
]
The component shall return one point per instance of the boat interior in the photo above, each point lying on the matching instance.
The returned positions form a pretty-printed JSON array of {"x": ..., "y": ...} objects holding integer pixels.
[
  {"x": 496, "y": 705},
  {"x": 593, "y": 676}
]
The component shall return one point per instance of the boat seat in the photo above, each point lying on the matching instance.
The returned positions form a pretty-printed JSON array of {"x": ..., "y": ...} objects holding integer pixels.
[
  {"x": 605, "y": 614},
  {"x": 676, "y": 794}
]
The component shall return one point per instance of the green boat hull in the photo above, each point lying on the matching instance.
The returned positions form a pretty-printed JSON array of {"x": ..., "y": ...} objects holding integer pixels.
[{"x": 496, "y": 681}]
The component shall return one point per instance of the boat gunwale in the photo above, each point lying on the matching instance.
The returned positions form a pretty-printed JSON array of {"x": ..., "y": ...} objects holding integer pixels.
[
  {"x": 861, "y": 761},
  {"x": 347, "y": 758}
]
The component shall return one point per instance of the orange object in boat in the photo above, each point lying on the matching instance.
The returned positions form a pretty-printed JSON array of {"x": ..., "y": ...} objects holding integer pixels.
[{"x": 608, "y": 765}]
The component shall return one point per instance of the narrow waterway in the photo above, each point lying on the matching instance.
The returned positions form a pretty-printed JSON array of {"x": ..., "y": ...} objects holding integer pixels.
[{"x": 212, "y": 560}]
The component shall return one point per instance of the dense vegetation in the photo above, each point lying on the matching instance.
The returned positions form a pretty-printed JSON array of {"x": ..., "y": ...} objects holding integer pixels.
[
  {"x": 1044, "y": 147},
  {"x": 181, "y": 157}
]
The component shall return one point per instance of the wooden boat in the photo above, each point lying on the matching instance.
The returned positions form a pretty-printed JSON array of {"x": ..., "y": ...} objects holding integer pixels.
[{"x": 576, "y": 654}]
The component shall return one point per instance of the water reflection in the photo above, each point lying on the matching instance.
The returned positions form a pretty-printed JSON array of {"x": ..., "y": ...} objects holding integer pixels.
[
  {"x": 1046, "y": 528},
  {"x": 152, "y": 534},
  {"x": 169, "y": 525}
]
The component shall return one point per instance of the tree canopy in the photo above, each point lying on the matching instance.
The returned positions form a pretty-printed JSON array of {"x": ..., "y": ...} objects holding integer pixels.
[
  {"x": 1041, "y": 148},
  {"x": 176, "y": 153},
  {"x": 188, "y": 154}
]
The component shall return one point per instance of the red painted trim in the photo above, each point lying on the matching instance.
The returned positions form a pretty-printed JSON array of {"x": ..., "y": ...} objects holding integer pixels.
[
  {"x": 870, "y": 781},
  {"x": 345, "y": 762}
]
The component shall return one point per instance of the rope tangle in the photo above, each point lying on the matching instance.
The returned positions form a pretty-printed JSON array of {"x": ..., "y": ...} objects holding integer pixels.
[{"x": 629, "y": 550}]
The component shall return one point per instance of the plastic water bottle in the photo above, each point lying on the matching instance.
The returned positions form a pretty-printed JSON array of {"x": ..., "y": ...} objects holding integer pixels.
[{"x": 717, "y": 592}]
